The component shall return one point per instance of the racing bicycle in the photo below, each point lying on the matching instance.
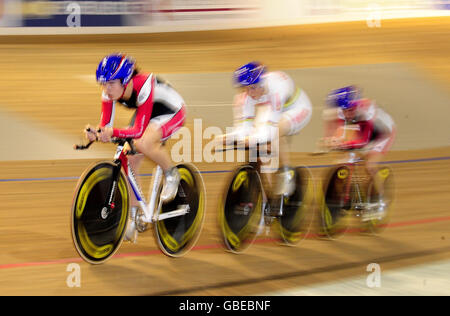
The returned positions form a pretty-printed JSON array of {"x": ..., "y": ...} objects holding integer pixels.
[
  {"x": 101, "y": 206},
  {"x": 248, "y": 207},
  {"x": 349, "y": 189}
]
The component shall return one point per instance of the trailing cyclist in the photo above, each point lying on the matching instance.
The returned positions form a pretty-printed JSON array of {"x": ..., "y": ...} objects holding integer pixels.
[{"x": 268, "y": 105}]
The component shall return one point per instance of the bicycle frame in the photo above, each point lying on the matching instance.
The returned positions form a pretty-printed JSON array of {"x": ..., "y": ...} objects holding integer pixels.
[
  {"x": 150, "y": 215},
  {"x": 352, "y": 163},
  {"x": 266, "y": 219}
]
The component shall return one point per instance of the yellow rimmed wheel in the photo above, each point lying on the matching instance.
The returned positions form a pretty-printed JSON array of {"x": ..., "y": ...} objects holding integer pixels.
[
  {"x": 177, "y": 235},
  {"x": 379, "y": 198},
  {"x": 334, "y": 203},
  {"x": 240, "y": 211},
  {"x": 294, "y": 224},
  {"x": 97, "y": 232}
]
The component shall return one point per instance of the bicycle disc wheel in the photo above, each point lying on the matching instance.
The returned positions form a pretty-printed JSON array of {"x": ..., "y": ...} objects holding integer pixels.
[
  {"x": 334, "y": 203},
  {"x": 294, "y": 224},
  {"x": 177, "y": 235},
  {"x": 380, "y": 195},
  {"x": 96, "y": 235},
  {"x": 241, "y": 209}
]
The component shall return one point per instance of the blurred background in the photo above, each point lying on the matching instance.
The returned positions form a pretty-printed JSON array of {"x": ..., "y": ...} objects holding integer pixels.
[
  {"x": 210, "y": 14},
  {"x": 397, "y": 51}
]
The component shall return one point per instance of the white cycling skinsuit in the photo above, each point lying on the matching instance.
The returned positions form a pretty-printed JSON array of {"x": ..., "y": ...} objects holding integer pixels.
[{"x": 259, "y": 119}]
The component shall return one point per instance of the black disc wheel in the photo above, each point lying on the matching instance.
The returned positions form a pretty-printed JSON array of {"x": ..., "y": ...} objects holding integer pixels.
[
  {"x": 97, "y": 231},
  {"x": 336, "y": 201},
  {"x": 380, "y": 196},
  {"x": 294, "y": 222},
  {"x": 240, "y": 211},
  {"x": 177, "y": 235}
]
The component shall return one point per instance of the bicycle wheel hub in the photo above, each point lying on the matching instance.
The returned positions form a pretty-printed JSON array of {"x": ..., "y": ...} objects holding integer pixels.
[{"x": 104, "y": 213}]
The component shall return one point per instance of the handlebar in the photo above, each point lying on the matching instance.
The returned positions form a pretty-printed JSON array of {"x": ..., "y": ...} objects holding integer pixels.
[
  {"x": 116, "y": 140},
  {"x": 354, "y": 155}
]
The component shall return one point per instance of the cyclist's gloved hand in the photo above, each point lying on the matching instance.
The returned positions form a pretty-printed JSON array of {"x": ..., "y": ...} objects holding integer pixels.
[
  {"x": 264, "y": 135},
  {"x": 332, "y": 142},
  {"x": 105, "y": 134},
  {"x": 238, "y": 135},
  {"x": 90, "y": 133}
]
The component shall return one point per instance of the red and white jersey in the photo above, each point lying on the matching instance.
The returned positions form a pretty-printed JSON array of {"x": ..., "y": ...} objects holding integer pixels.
[
  {"x": 371, "y": 123},
  {"x": 148, "y": 93},
  {"x": 369, "y": 111}
]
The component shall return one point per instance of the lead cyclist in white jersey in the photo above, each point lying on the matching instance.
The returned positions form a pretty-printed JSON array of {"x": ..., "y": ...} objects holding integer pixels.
[{"x": 269, "y": 105}]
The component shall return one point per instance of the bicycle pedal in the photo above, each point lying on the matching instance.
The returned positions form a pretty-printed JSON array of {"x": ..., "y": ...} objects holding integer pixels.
[
  {"x": 131, "y": 233},
  {"x": 268, "y": 221},
  {"x": 181, "y": 192},
  {"x": 373, "y": 215},
  {"x": 141, "y": 225},
  {"x": 275, "y": 210},
  {"x": 243, "y": 209},
  {"x": 276, "y": 213},
  {"x": 267, "y": 210}
]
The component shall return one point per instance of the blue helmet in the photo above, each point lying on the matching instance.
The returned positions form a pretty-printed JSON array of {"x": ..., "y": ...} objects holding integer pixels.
[
  {"x": 249, "y": 74},
  {"x": 344, "y": 97},
  {"x": 115, "y": 66}
]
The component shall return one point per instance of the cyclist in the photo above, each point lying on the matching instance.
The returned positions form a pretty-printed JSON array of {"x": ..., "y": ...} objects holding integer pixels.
[
  {"x": 269, "y": 104},
  {"x": 353, "y": 122},
  {"x": 159, "y": 112}
]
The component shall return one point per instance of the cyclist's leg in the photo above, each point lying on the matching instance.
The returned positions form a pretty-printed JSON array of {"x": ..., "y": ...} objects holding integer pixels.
[
  {"x": 150, "y": 139},
  {"x": 292, "y": 121},
  {"x": 377, "y": 151},
  {"x": 151, "y": 145}
]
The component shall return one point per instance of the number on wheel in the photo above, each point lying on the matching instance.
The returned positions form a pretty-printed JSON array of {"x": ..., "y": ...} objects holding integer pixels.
[{"x": 335, "y": 201}]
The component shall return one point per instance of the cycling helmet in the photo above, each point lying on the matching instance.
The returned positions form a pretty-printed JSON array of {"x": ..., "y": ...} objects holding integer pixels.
[
  {"x": 115, "y": 66},
  {"x": 345, "y": 98},
  {"x": 249, "y": 74}
]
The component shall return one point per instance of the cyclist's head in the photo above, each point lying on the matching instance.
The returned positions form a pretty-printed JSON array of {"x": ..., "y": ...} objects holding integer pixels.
[
  {"x": 250, "y": 77},
  {"x": 114, "y": 72},
  {"x": 115, "y": 67},
  {"x": 344, "y": 98}
]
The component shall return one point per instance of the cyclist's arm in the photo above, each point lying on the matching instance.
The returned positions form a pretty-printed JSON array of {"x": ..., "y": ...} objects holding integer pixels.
[
  {"x": 267, "y": 119},
  {"x": 143, "y": 115},
  {"x": 243, "y": 112},
  {"x": 366, "y": 129},
  {"x": 331, "y": 121},
  {"x": 107, "y": 115},
  {"x": 145, "y": 92}
]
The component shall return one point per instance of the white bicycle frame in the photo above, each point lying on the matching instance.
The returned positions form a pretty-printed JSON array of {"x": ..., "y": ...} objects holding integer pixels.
[
  {"x": 353, "y": 159},
  {"x": 150, "y": 215}
]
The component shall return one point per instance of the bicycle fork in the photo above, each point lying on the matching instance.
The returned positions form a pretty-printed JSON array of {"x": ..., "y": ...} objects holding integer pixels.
[{"x": 109, "y": 203}]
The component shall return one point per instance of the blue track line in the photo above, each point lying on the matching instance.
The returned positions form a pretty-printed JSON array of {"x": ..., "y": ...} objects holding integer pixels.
[{"x": 226, "y": 171}]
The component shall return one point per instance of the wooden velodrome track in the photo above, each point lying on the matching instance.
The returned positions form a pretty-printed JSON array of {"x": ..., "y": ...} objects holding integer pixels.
[{"x": 35, "y": 241}]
